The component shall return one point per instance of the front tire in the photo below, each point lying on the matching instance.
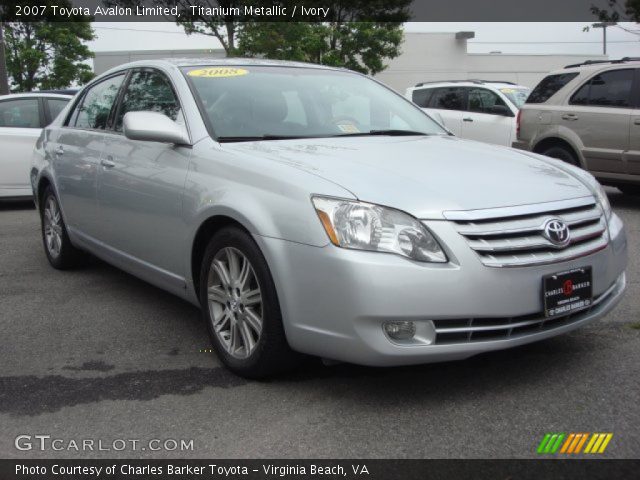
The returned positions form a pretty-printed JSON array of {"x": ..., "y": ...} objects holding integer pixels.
[
  {"x": 61, "y": 254},
  {"x": 241, "y": 307},
  {"x": 562, "y": 153}
]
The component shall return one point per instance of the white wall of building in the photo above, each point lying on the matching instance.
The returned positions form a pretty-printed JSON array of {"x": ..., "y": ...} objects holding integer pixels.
[{"x": 430, "y": 57}]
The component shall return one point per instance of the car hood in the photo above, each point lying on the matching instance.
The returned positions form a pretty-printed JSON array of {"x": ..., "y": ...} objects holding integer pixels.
[{"x": 425, "y": 176}]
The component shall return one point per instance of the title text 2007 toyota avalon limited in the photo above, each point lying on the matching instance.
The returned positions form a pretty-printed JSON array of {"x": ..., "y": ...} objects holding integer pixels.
[{"x": 313, "y": 210}]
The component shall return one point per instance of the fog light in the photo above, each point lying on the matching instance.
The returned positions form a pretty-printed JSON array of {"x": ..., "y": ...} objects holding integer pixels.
[{"x": 400, "y": 330}]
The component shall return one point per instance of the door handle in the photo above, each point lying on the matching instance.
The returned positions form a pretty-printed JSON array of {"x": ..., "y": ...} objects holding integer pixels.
[
  {"x": 467, "y": 119},
  {"x": 108, "y": 162},
  {"x": 59, "y": 151},
  {"x": 569, "y": 116}
]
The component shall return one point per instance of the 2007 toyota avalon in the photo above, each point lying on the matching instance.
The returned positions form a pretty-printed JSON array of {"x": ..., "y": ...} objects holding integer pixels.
[{"x": 312, "y": 210}]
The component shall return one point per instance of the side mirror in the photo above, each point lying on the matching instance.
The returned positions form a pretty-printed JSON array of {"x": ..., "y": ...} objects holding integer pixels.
[
  {"x": 153, "y": 127},
  {"x": 501, "y": 110}
]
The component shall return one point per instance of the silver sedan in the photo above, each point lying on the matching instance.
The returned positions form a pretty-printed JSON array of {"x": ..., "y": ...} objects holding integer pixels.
[{"x": 312, "y": 210}]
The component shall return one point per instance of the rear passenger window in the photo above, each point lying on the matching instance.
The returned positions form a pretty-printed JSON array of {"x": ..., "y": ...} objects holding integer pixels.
[
  {"x": 607, "y": 89},
  {"x": 151, "y": 91},
  {"x": 97, "y": 103},
  {"x": 421, "y": 96},
  {"x": 20, "y": 113},
  {"x": 448, "y": 99},
  {"x": 549, "y": 86}
]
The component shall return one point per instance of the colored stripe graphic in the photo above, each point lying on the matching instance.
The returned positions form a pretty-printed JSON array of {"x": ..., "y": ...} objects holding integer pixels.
[
  {"x": 550, "y": 443},
  {"x": 573, "y": 443}
]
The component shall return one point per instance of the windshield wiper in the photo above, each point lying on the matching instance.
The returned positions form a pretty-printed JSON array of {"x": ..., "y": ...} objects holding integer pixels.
[
  {"x": 390, "y": 132},
  {"x": 256, "y": 138}
]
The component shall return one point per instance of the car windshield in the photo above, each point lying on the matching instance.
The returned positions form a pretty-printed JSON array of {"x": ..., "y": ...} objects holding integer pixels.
[
  {"x": 517, "y": 96},
  {"x": 263, "y": 102}
]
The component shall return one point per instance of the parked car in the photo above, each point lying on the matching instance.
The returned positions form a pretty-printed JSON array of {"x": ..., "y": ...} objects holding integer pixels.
[
  {"x": 22, "y": 117},
  {"x": 474, "y": 109},
  {"x": 588, "y": 115},
  {"x": 313, "y": 210}
]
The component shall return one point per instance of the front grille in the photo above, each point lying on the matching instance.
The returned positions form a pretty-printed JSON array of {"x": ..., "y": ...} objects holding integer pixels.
[
  {"x": 452, "y": 331},
  {"x": 517, "y": 239}
]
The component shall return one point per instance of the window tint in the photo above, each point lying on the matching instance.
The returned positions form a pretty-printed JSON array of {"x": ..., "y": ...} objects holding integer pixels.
[
  {"x": 581, "y": 97},
  {"x": 20, "y": 113},
  {"x": 97, "y": 103},
  {"x": 55, "y": 106},
  {"x": 448, "y": 99},
  {"x": 149, "y": 90},
  {"x": 607, "y": 89},
  {"x": 421, "y": 96},
  {"x": 549, "y": 86},
  {"x": 482, "y": 100}
]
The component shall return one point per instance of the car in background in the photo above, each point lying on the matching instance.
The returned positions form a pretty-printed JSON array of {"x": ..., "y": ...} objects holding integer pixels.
[
  {"x": 480, "y": 110},
  {"x": 22, "y": 118},
  {"x": 588, "y": 115}
]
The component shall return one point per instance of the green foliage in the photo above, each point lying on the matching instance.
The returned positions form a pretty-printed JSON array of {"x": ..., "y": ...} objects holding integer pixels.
[
  {"x": 360, "y": 46},
  {"x": 617, "y": 12},
  {"x": 47, "y": 55}
]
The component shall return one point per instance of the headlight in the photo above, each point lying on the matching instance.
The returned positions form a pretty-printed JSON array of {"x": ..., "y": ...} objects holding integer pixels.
[
  {"x": 364, "y": 226},
  {"x": 603, "y": 200}
]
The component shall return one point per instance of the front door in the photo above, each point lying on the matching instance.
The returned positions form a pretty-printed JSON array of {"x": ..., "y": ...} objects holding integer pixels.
[
  {"x": 141, "y": 183},
  {"x": 488, "y": 118}
]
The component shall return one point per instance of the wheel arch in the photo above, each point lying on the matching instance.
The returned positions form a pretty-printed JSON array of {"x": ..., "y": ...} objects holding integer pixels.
[
  {"x": 207, "y": 229},
  {"x": 549, "y": 142}
]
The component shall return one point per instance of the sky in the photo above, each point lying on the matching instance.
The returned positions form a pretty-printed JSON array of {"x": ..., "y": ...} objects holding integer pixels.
[{"x": 532, "y": 38}]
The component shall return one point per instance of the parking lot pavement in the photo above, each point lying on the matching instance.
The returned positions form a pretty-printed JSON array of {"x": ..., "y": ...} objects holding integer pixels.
[{"x": 97, "y": 354}]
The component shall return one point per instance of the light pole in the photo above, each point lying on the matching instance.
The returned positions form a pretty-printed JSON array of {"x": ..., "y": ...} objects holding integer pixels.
[
  {"x": 603, "y": 26},
  {"x": 4, "y": 81}
]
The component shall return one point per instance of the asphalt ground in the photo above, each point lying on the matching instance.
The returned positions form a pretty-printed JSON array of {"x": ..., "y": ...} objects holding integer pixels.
[{"x": 98, "y": 354}]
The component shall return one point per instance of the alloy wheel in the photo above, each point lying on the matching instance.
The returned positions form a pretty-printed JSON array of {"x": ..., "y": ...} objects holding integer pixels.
[
  {"x": 235, "y": 302},
  {"x": 53, "y": 227}
]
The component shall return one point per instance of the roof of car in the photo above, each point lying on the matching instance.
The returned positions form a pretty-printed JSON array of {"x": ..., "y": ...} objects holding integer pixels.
[
  {"x": 193, "y": 62},
  {"x": 36, "y": 94},
  {"x": 599, "y": 65},
  {"x": 469, "y": 82}
]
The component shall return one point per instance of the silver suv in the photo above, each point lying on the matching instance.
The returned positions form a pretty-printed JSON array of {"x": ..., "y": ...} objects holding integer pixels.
[
  {"x": 588, "y": 115},
  {"x": 311, "y": 209}
]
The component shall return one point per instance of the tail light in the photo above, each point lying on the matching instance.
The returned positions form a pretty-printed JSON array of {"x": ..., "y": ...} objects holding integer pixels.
[{"x": 518, "y": 116}]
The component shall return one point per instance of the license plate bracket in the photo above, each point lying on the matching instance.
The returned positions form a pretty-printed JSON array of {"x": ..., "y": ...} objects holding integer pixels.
[{"x": 567, "y": 292}]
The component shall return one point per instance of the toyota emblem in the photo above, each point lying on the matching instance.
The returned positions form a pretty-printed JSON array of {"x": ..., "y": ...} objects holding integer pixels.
[{"x": 557, "y": 232}]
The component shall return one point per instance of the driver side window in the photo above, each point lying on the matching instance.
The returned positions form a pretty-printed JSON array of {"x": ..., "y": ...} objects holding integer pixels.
[{"x": 482, "y": 100}]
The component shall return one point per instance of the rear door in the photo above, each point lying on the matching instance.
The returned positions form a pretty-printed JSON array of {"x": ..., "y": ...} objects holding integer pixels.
[
  {"x": 599, "y": 113},
  {"x": 76, "y": 151},
  {"x": 633, "y": 155},
  {"x": 21, "y": 120},
  {"x": 449, "y": 104},
  {"x": 141, "y": 183},
  {"x": 488, "y": 118}
]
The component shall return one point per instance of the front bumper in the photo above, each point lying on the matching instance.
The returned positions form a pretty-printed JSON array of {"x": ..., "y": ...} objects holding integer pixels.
[{"x": 334, "y": 301}]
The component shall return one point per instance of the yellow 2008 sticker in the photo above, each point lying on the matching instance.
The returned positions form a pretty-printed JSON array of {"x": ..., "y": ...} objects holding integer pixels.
[{"x": 216, "y": 72}]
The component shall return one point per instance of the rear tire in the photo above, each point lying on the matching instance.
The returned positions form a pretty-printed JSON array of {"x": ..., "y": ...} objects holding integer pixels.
[
  {"x": 627, "y": 189},
  {"x": 61, "y": 254},
  {"x": 562, "y": 153},
  {"x": 241, "y": 308}
]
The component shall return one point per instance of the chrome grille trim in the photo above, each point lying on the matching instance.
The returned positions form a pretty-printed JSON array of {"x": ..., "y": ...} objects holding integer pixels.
[
  {"x": 476, "y": 329},
  {"x": 517, "y": 240}
]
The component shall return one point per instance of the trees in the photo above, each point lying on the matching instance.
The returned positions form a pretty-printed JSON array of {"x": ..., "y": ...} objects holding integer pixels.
[
  {"x": 357, "y": 34},
  {"x": 47, "y": 55},
  {"x": 619, "y": 12},
  {"x": 360, "y": 46}
]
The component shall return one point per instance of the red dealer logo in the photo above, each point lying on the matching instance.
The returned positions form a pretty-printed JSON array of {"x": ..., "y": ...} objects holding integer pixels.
[{"x": 567, "y": 287}]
